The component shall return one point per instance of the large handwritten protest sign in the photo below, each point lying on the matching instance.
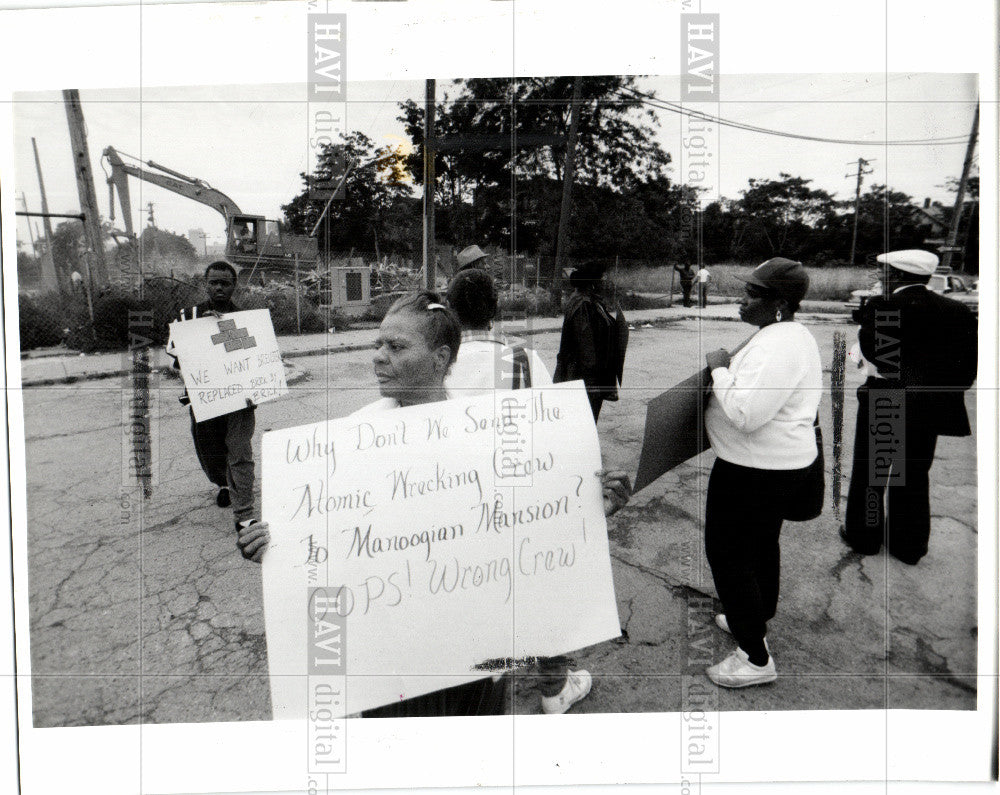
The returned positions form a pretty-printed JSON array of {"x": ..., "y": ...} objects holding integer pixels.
[
  {"x": 228, "y": 360},
  {"x": 413, "y": 548}
]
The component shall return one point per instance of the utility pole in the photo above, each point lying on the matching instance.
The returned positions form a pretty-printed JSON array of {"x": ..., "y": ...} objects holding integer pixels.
[
  {"x": 85, "y": 186},
  {"x": 569, "y": 167},
  {"x": 49, "y": 272},
  {"x": 857, "y": 202},
  {"x": 956, "y": 215},
  {"x": 430, "y": 262},
  {"x": 31, "y": 232}
]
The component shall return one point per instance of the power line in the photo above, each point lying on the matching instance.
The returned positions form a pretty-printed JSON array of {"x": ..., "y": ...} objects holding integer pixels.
[
  {"x": 651, "y": 101},
  {"x": 679, "y": 109}
]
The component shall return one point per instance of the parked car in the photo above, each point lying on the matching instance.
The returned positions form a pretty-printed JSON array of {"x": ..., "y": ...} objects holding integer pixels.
[
  {"x": 956, "y": 287},
  {"x": 945, "y": 283}
]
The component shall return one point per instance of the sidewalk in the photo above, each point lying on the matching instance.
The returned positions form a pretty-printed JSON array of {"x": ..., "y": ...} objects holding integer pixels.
[{"x": 50, "y": 367}]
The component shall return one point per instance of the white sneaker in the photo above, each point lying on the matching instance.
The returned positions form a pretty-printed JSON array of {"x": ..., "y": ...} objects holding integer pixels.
[
  {"x": 737, "y": 671},
  {"x": 576, "y": 688},
  {"x": 723, "y": 624}
]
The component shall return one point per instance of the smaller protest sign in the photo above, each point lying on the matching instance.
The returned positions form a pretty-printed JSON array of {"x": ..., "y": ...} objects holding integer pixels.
[
  {"x": 228, "y": 362},
  {"x": 675, "y": 426}
]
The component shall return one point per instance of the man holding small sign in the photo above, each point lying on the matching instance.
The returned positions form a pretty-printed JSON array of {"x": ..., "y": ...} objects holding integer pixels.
[{"x": 230, "y": 362}]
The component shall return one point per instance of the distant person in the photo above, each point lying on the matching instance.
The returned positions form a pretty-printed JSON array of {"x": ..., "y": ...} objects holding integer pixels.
[
  {"x": 487, "y": 360},
  {"x": 471, "y": 257},
  {"x": 223, "y": 444},
  {"x": 77, "y": 281},
  {"x": 759, "y": 421},
  {"x": 703, "y": 277},
  {"x": 418, "y": 342},
  {"x": 594, "y": 338},
  {"x": 686, "y": 276},
  {"x": 925, "y": 349}
]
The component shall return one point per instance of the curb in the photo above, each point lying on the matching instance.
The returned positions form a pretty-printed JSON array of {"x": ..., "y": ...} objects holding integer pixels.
[
  {"x": 298, "y": 375},
  {"x": 293, "y": 375}
]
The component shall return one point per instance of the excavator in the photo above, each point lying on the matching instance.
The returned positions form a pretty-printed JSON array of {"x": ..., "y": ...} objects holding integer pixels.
[{"x": 252, "y": 241}]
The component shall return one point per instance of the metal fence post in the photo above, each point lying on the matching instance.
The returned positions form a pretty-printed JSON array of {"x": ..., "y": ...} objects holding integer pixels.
[{"x": 298, "y": 310}]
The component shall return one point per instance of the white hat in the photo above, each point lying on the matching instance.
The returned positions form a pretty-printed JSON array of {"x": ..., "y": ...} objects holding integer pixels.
[
  {"x": 469, "y": 255},
  {"x": 912, "y": 260}
]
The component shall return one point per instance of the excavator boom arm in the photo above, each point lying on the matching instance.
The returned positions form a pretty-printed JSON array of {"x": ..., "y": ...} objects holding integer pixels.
[{"x": 195, "y": 190}]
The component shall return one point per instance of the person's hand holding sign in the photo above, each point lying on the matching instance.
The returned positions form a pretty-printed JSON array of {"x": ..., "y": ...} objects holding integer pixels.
[
  {"x": 616, "y": 490},
  {"x": 719, "y": 358},
  {"x": 253, "y": 540}
]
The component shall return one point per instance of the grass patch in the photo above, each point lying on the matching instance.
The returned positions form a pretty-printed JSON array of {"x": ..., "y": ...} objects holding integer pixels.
[{"x": 825, "y": 284}]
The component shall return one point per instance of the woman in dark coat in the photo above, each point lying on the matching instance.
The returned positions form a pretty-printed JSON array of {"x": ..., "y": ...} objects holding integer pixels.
[{"x": 594, "y": 338}]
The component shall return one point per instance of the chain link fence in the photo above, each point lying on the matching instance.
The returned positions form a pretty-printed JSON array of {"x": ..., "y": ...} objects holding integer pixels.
[{"x": 90, "y": 320}]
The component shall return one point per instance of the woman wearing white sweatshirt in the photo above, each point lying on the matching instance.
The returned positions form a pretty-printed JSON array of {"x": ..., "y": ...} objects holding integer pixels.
[{"x": 760, "y": 423}]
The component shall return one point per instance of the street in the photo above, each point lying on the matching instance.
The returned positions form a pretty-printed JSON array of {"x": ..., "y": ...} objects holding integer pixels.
[{"x": 165, "y": 624}]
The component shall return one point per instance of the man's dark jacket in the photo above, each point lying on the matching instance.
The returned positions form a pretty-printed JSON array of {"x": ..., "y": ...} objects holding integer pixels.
[
  {"x": 592, "y": 346},
  {"x": 928, "y": 344}
]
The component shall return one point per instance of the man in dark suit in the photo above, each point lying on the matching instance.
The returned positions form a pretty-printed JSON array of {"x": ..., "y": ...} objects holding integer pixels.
[{"x": 924, "y": 347}]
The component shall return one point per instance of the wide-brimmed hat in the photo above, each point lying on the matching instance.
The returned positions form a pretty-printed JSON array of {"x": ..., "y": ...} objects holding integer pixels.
[
  {"x": 912, "y": 260},
  {"x": 786, "y": 278},
  {"x": 467, "y": 256}
]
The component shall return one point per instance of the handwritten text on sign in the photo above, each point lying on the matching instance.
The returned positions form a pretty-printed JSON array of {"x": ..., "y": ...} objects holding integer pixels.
[
  {"x": 227, "y": 361},
  {"x": 450, "y": 533}
]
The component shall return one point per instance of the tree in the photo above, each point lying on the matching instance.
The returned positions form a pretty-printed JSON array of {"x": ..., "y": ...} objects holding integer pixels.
[
  {"x": 166, "y": 245},
  {"x": 501, "y": 138},
  {"x": 29, "y": 268},
  {"x": 777, "y": 217},
  {"x": 358, "y": 219},
  {"x": 887, "y": 221},
  {"x": 68, "y": 247}
]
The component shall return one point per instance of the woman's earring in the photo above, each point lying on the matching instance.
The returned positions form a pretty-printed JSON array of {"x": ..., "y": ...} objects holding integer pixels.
[{"x": 777, "y": 316}]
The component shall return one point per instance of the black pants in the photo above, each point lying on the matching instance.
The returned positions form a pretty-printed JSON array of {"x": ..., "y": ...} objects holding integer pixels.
[
  {"x": 596, "y": 401},
  {"x": 686, "y": 293},
  {"x": 743, "y": 517},
  {"x": 225, "y": 452},
  {"x": 889, "y": 497}
]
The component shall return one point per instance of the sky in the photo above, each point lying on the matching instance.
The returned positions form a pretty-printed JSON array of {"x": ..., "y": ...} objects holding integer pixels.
[{"x": 252, "y": 142}]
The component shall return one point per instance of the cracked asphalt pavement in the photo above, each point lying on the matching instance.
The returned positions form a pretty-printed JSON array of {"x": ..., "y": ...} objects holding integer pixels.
[{"x": 143, "y": 610}]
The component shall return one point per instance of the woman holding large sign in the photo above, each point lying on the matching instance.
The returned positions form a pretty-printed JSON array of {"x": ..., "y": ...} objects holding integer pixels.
[
  {"x": 417, "y": 343},
  {"x": 759, "y": 421}
]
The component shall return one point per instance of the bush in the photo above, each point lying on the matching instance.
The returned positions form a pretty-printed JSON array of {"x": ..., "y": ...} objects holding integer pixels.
[
  {"x": 630, "y": 300},
  {"x": 39, "y": 321},
  {"x": 54, "y": 318},
  {"x": 380, "y": 305},
  {"x": 280, "y": 301},
  {"x": 110, "y": 328},
  {"x": 528, "y": 302}
]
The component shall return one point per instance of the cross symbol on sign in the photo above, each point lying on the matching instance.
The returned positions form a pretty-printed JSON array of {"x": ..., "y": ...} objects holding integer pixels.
[{"x": 233, "y": 338}]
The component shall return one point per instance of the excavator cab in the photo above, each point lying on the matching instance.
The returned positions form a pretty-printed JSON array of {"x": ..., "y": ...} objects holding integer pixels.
[
  {"x": 245, "y": 236},
  {"x": 252, "y": 240}
]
